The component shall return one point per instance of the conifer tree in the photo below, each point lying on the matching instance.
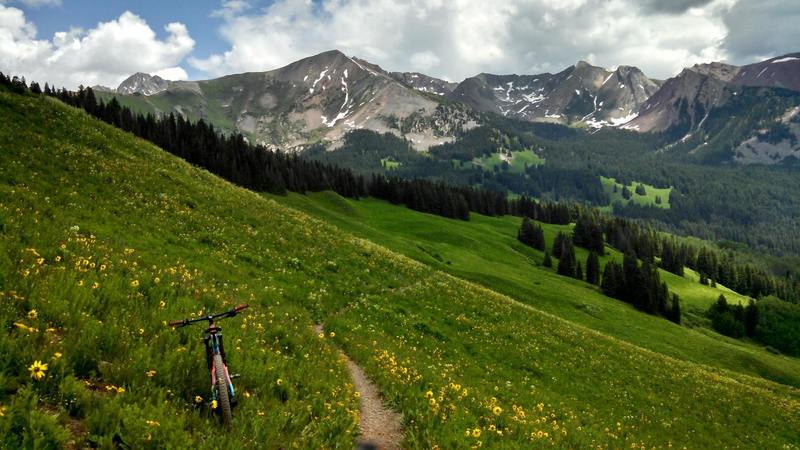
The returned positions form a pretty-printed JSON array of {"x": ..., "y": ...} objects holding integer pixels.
[
  {"x": 567, "y": 263},
  {"x": 592, "y": 268},
  {"x": 675, "y": 309},
  {"x": 548, "y": 261},
  {"x": 751, "y": 318},
  {"x": 525, "y": 234}
]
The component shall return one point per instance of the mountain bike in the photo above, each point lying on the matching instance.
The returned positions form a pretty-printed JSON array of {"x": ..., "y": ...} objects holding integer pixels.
[{"x": 221, "y": 386}]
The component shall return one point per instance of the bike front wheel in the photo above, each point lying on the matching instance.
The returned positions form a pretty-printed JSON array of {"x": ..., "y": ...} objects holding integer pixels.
[{"x": 223, "y": 399}]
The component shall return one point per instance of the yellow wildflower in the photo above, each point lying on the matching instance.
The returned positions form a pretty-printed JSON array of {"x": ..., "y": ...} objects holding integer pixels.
[
  {"x": 198, "y": 399},
  {"x": 38, "y": 370},
  {"x": 213, "y": 404},
  {"x": 57, "y": 355},
  {"x": 476, "y": 432},
  {"x": 279, "y": 382},
  {"x": 497, "y": 410},
  {"x": 32, "y": 314},
  {"x": 120, "y": 390},
  {"x": 150, "y": 373}
]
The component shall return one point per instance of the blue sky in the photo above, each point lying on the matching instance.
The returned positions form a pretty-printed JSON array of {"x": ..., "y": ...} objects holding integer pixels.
[
  {"x": 87, "y": 14},
  {"x": 72, "y": 42}
]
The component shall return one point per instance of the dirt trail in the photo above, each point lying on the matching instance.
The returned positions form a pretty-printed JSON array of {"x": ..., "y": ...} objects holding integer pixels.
[{"x": 380, "y": 427}]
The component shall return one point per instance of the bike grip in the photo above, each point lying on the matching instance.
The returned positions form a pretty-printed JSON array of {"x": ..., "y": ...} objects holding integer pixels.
[
  {"x": 241, "y": 307},
  {"x": 177, "y": 323}
]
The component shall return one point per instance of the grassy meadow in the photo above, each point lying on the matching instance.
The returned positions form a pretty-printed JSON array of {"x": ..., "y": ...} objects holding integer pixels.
[
  {"x": 104, "y": 238},
  {"x": 649, "y": 199}
]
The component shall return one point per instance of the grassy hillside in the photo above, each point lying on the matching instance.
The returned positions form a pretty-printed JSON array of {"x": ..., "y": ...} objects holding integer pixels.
[
  {"x": 648, "y": 199},
  {"x": 106, "y": 237},
  {"x": 486, "y": 251}
]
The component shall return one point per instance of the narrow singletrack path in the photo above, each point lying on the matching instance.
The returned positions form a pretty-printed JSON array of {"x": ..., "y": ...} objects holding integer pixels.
[{"x": 380, "y": 427}]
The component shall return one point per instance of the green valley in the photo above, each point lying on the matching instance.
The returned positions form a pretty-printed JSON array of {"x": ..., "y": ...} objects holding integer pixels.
[{"x": 105, "y": 237}]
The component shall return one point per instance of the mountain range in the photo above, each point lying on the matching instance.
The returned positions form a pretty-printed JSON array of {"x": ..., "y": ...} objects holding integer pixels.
[{"x": 751, "y": 112}]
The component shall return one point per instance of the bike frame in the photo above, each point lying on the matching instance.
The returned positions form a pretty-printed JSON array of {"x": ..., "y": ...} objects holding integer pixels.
[{"x": 215, "y": 346}]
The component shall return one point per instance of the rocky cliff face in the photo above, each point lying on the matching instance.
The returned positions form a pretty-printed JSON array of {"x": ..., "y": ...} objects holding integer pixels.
[{"x": 580, "y": 94}]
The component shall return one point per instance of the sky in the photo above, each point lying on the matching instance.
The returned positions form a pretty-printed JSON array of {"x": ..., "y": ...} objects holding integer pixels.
[{"x": 74, "y": 42}]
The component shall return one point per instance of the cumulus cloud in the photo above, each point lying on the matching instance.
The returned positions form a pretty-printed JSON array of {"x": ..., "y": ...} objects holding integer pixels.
[
  {"x": 670, "y": 6},
  {"x": 759, "y": 30},
  {"x": 105, "y": 55},
  {"x": 459, "y": 38}
]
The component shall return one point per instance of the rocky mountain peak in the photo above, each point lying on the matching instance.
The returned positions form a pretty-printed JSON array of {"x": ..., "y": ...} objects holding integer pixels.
[{"x": 143, "y": 84}]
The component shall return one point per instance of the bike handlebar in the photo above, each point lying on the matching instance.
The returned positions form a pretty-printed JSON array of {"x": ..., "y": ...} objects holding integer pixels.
[{"x": 230, "y": 313}]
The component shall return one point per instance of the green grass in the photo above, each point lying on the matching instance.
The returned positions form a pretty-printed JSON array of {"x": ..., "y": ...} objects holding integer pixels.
[
  {"x": 390, "y": 164},
  {"x": 485, "y": 250},
  {"x": 164, "y": 240},
  {"x": 649, "y": 199},
  {"x": 516, "y": 162}
]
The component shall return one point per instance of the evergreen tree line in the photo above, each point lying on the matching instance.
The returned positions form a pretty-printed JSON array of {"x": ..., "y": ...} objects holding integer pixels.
[
  {"x": 733, "y": 320},
  {"x": 713, "y": 265},
  {"x": 257, "y": 168},
  {"x": 641, "y": 286}
]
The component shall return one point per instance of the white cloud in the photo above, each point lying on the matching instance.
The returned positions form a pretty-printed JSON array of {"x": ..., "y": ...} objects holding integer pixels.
[
  {"x": 34, "y": 3},
  {"x": 459, "y": 38},
  {"x": 423, "y": 61},
  {"x": 106, "y": 54}
]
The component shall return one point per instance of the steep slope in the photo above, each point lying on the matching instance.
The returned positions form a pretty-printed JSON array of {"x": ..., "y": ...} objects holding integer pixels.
[
  {"x": 681, "y": 103},
  {"x": 485, "y": 250},
  {"x": 781, "y": 72},
  {"x": 425, "y": 83},
  {"x": 317, "y": 98},
  {"x": 105, "y": 237},
  {"x": 580, "y": 93},
  {"x": 143, "y": 84},
  {"x": 751, "y": 125}
]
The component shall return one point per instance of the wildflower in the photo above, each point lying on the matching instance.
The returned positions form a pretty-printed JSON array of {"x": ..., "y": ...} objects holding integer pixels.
[
  {"x": 213, "y": 404},
  {"x": 198, "y": 399},
  {"x": 476, "y": 432},
  {"x": 40, "y": 261},
  {"x": 102, "y": 267},
  {"x": 157, "y": 280},
  {"x": 429, "y": 394},
  {"x": 321, "y": 335},
  {"x": 150, "y": 373},
  {"x": 153, "y": 423},
  {"x": 38, "y": 370},
  {"x": 120, "y": 390},
  {"x": 497, "y": 410},
  {"x": 162, "y": 304},
  {"x": 95, "y": 285},
  {"x": 134, "y": 283},
  {"x": 358, "y": 394},
  {"x": 57, "y": 355},
  {"x": 279, "y": 382},
  {"x": 2, "y": 411},
  {"x": 32, "y": 314},
  {"x": 58, "y": 258},
  {"x": 80, "y": 282},
  {"x": 333, "y": 334}
]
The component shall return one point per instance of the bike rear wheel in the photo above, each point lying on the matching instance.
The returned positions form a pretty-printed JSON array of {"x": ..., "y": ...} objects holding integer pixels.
[{"x": 223, "y": 399}]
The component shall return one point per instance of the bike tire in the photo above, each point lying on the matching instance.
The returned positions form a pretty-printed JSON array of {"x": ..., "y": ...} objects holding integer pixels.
[{"x": 223, "y": 399}]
